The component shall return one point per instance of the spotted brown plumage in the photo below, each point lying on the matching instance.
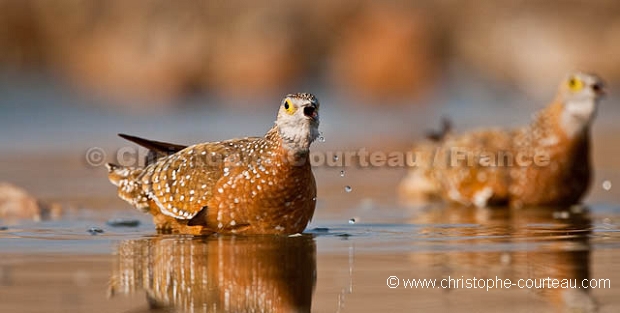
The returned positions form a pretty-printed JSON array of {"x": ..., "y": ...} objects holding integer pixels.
[
  {"x": 546, "y": 163},
  {"x": 252, "y": 185}
]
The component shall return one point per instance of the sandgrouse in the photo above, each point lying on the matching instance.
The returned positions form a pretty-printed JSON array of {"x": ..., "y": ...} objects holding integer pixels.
[
  {"x": 546, "y": 163},
  {"x": 253, "y": 185}
]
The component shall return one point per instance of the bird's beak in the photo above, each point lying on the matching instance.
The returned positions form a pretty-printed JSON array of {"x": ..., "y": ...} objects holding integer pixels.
[
  {"x": 311, "y": 111},
  {"x": 599, "y": 89}
]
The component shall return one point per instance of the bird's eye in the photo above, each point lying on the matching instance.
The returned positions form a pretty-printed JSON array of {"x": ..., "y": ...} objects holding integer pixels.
[
  {"x": 290, "y": 108},
  {"x": 575, "y": 84}
]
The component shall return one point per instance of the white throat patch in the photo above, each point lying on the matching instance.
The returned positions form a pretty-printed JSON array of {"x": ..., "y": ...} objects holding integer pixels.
[{"x": 577, "y": 116}]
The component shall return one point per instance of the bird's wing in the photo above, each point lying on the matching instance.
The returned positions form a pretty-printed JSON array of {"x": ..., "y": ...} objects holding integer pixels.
[
  {"x": 474, "y": 164},
  {"x": 183, "y": 183}
]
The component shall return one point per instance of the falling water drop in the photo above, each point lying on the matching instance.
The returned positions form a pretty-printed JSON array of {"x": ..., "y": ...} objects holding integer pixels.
[
  {"x": 321, "y": 137},
  {"x": 352, "y": 221},
  {"x": 335, "y": 158},
  {"x": 505, "y": 258},
  {"x": 348, "y": 188},
  {"x": 607, "y": 185},
  {"x": 342, "y": 173}
]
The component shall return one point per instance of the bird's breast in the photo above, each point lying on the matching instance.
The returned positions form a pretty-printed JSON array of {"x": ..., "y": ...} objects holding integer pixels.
[{"x": 268, "y": 195}]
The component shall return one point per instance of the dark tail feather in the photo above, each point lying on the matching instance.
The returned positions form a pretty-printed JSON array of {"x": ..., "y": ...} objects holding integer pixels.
[
  {"x": 157, "y": 149},
  {"x": 446, "y": 128},
  {"x": 158, "y": 146}
]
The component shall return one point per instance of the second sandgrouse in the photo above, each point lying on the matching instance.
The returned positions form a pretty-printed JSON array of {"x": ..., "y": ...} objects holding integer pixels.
[
  {"x": 252, "y": 185},
  {"x": 546, "y": 163}
]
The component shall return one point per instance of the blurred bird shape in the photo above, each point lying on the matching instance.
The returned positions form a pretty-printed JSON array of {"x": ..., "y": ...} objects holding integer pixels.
[{"x": 544, "y": 163}]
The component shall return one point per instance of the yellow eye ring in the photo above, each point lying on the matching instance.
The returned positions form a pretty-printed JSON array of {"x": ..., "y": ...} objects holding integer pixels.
[
  {"x": 289, "y": 107},
  {"x": 575, "y": 84}
]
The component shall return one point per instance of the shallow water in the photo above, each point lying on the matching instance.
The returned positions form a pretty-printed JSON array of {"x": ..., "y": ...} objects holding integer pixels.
[{"x": 335, "y": 266}]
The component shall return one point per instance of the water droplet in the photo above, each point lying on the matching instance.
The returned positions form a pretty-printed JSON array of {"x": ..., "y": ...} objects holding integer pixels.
[
  {"x": 348, "y": 188},
  {"x": 352, "y": 221},
  {"x": 314, "y": 199},
  {"x": 505, "y": 258},
  {"x": 607, "y": 185},
  {"x": 342, "y": 173},
  {"x": 321, "y": 137},
  {"x": 335, "y": 158}
]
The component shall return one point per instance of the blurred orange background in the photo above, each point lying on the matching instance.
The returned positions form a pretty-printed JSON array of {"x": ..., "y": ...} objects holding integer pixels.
[{"x": 238, "y": 49}]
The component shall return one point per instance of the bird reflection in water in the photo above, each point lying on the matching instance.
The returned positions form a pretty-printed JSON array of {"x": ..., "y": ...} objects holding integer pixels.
[
  {"x": 219, "y": 273},
  {"x": 532, "y": 243}
]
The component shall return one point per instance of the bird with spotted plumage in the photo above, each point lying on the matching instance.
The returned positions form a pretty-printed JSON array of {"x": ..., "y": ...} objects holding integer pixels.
[
  {"x": 252, "y": 185},
  {"x": 546, "y": 163}
]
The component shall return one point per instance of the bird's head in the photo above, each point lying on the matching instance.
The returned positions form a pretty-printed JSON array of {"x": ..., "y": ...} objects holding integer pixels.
[
  {"x": 298, "y": 120},
  {"x": 580, "y": 94}
]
